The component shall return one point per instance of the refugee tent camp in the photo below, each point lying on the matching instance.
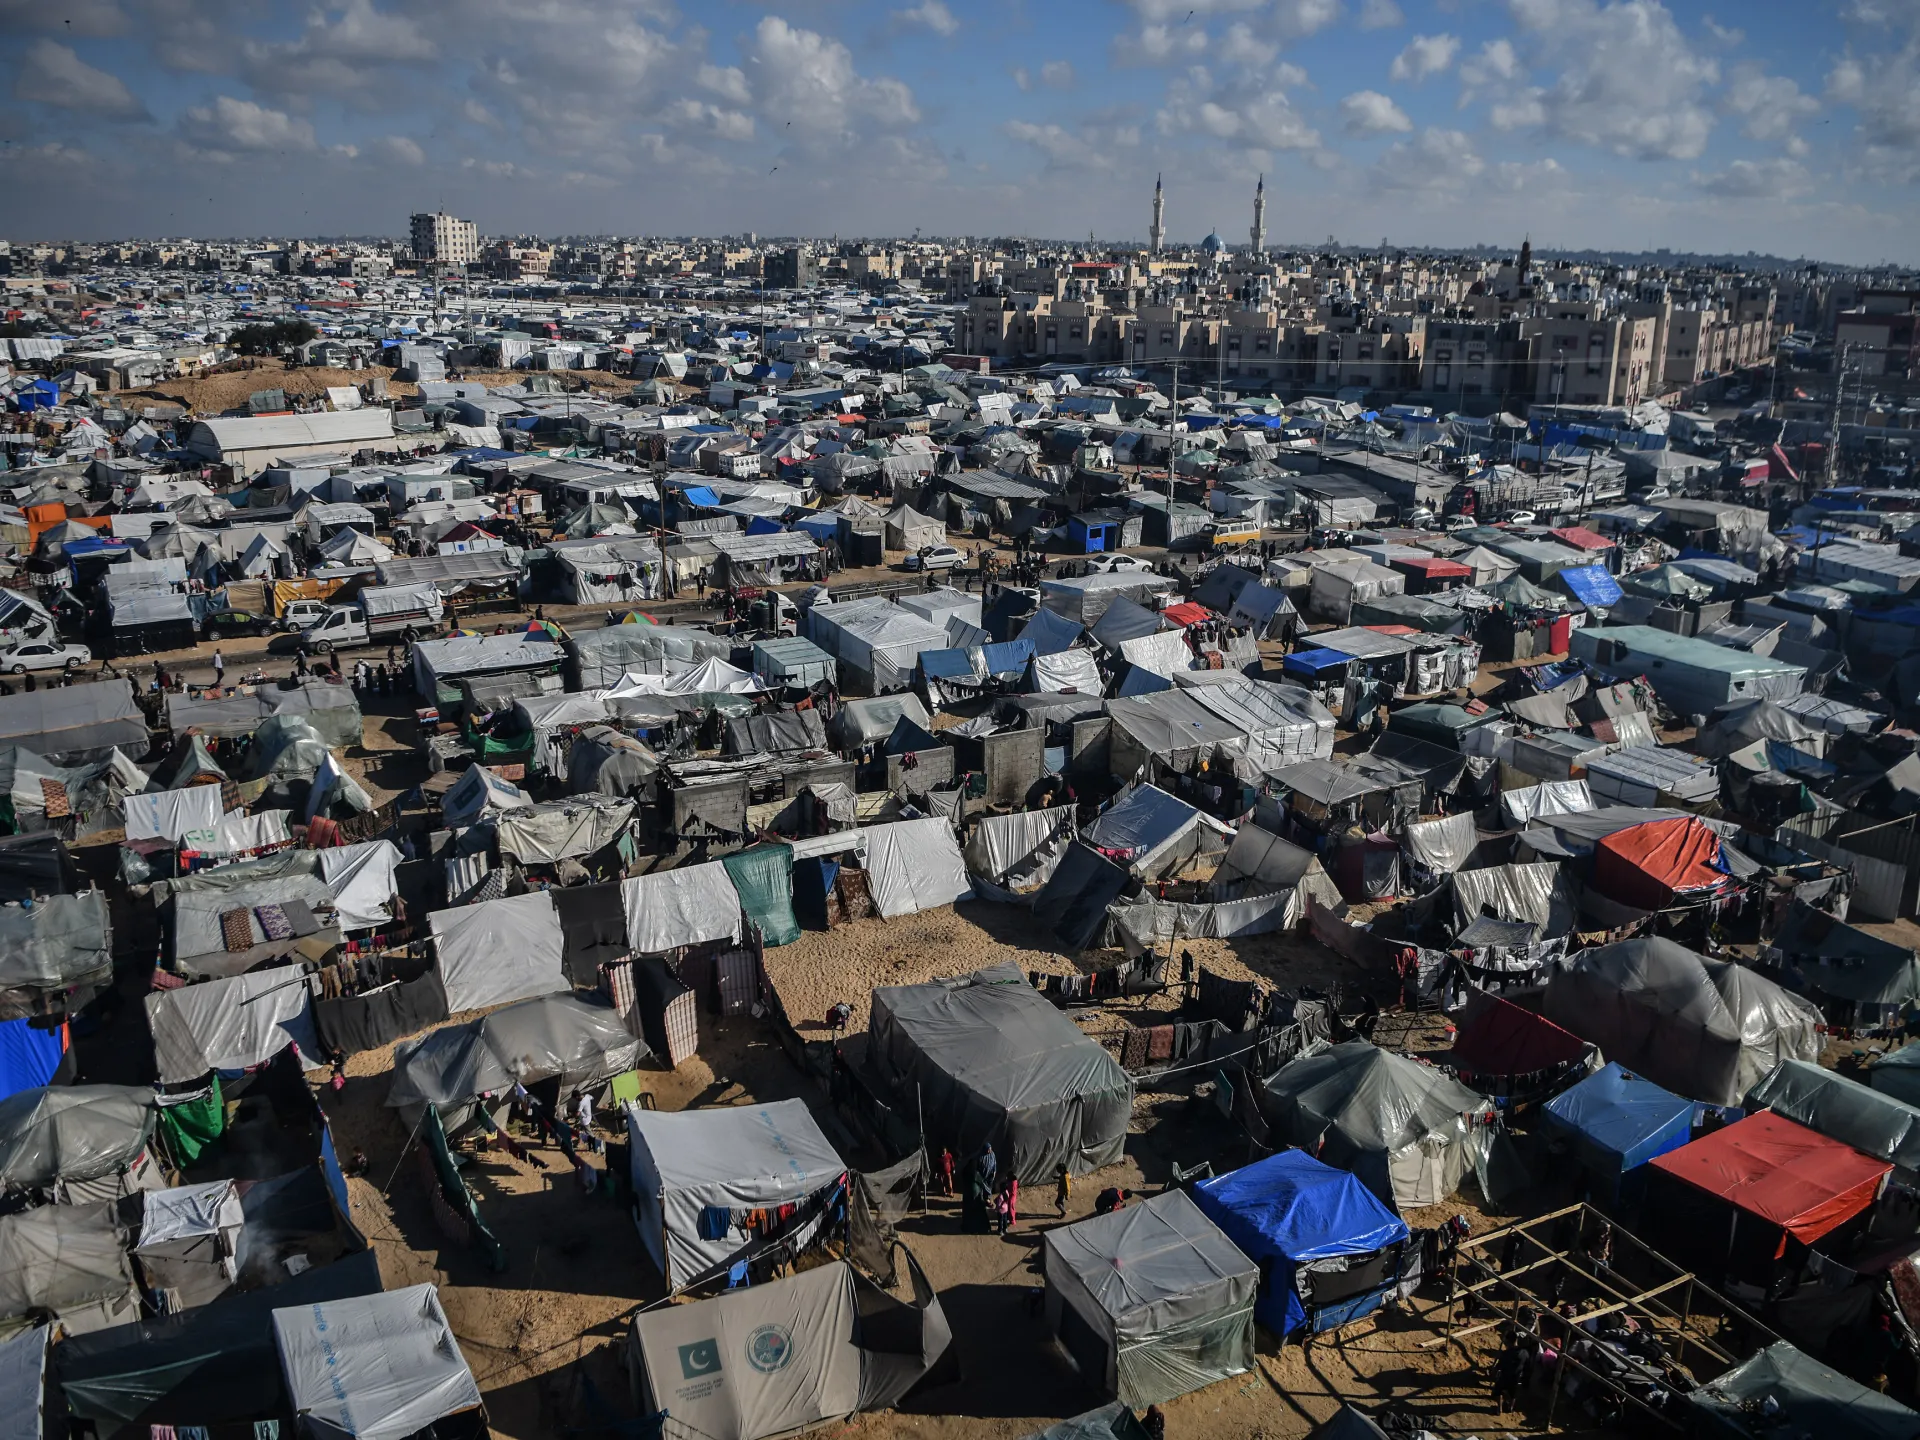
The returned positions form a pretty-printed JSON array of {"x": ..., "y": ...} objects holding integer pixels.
[
  {"x": 1780, "y": 1390},
  {"x": 1705, "y": 1029},
  {"x": 378, "y": 1367},
  {"x": 1408, "y": 1130},
  {"x": 499, "y": 950},
  {"x": 79, "y": 1141},
  {"x": 67, "y": 1263},
  {"x": 1151, "y": 1300},
  {"x": 1616, "y": 1122},
  {"x": 231, "y": 1024},
  {"x": 189, "y": 1239},
  {"x": 1842, "y": 1109},
  {"x": 552, "y": 1037},
  {"x": 1330, "y": 1252},
  {"x": 996, "y": 1064},
  {"x": 777, "y": 1358},
  {"x": 695, "y": 1170}
]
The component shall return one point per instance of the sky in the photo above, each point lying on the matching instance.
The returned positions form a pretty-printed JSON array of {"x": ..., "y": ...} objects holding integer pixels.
[{"x": 1787, "y": 127}]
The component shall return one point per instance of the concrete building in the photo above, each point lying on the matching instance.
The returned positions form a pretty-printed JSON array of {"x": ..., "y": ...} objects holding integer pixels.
[
  {"x": 794, "y": 268},
  {"x": 440, "y": 239}
]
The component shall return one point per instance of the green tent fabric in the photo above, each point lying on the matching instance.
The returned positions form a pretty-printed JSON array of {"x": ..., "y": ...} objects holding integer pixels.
[
  {"x": 454, "y": 1191},
  {"x": 764, "y": 878},
  {"x": 193, "y": 1125}
]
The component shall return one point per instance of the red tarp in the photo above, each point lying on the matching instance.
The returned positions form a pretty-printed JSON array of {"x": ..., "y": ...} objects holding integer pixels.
[
  {"x": 1581, "y": 538},
  {"x": 1435, "y": 568},
  {"x": 1782, "y": 1172},
  {"x": 1646, "y": 866},
  {"x": 1188, "y": 612},
  {"x": 1497, "y": 1037}
]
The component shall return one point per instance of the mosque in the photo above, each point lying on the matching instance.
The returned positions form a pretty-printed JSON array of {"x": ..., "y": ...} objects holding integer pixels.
[{"x": 1213, "y": 245}]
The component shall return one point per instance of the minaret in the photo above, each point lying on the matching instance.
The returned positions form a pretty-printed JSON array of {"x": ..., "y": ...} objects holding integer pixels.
[
  {"x": 1157, "y": 231},
  {"x": 1259, "y": 231}
]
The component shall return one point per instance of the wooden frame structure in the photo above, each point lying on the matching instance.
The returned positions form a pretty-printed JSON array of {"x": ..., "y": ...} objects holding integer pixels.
[{"x": 1542, "y": 1255}]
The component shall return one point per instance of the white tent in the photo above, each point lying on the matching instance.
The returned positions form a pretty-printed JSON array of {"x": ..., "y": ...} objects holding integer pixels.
[
  {"x": 915, "y": 865},
  {"x": 353, "y": 547},
  {"x": 478, "y": 795},
  {"x": 688, "y": 906},
  {"x": 361, "y": 879},
  {"x": 499, "y": 950},
  {"x": 1337, "y": 588},
  {"x": 1019, "y": 851},
  {"x": 231, "y": 1024},
  {"x": 1156, "y": 832},
  {"x": 171, "y": 814},
  {"x": 375, "y": 1367},
  {"x": 189, "y": 1241},
  {"x": 692, "y": 1167}
]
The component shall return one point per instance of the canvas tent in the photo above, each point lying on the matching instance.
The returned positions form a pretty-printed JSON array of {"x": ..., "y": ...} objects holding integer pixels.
[
  {"x": 1705, "y": 1029},
  {"x": 1329, "y": 1251},
  {"x": 73, "y": 1134},
  {"x": 1616, "y": 1122},
  {"x": 1781, "y": 1181},
  {"x": 690, "y": 905},
  {"x": 694, "y": 1169},
  {"x": 375, "y": 1367},
  {"x": 231, "y": 1024},
  {"x": 1019, "y": 852},
  {"x": 1153, "y": 833},
  {"x": 997, "y": 1064},
  {"x": 777, "y": 1358},
  {"x": 1407, "y": 1130},
  {"x": 67, "y": 1263},
  {"x": 1661, "y": 863},
  {"x": 1151, "y": 1301},
  {"x": 1844, "y": 963},
  {"x": 1258, "y": 862},
  {"x": 74, "y": 722},
  {"x": 499, "y": 950},
  {"x": 915, "y": 865},
  {"x": 1842, "y": 1109},
  {"x": 552, "y": 1037},
  {"x": 189, "y": 1241},
  {"x": 1504, "y": 1049},
  {"x": 52, "y": 949},
  {"x": 1780, "y": 1391}
]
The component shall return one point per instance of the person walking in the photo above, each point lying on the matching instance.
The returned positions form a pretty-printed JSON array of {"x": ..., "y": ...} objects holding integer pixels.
[
  {"x": 946, "y": 1171},
  {"x": 1062, "y": 1190},
  {"x": 219, "y": 669}
]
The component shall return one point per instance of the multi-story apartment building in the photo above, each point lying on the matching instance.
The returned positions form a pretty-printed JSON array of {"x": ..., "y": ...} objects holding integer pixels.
[{"x": 440, "y": 239}]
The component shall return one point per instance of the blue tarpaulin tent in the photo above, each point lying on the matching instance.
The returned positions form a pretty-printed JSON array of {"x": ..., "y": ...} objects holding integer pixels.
[
  {"x": 29, "y": 1057},
  {"x": 1007, "y": 658},
  {"x": 1617, "y": 1122},
  {"x": 701, "y": 496},
  {"x": 1313, "y": 660},
  {"x": 946, "y": 665},
  {"x": 1591, "y": 584},
  {"x": 1289, "y": 1210}
]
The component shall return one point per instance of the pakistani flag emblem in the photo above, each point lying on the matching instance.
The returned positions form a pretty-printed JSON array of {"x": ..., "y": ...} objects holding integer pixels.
[{"x": 700, "y": 1358}]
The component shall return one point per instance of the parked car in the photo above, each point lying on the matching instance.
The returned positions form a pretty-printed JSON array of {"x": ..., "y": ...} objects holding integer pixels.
[
  {"x": 936, "y": 557},
  {"x": 44, "y": 655},
  {"x": 1523, "y": 517},
  {"x": 1117, "y": 564},
  {"x": 1460, "y": 522},
  {"x": 303, "y": 613},
  {"x": 237, "y": 622}
]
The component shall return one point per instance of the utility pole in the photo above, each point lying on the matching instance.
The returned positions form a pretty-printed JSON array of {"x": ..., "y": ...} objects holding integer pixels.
[{"x": 1833, "y": 428}]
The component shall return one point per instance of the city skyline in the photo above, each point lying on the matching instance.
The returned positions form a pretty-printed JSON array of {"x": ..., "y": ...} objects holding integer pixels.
[{"x": 1631, "y": 126}]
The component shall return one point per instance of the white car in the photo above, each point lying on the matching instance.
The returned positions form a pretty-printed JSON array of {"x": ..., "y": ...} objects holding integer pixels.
[
  {"x": 303, "y": 614},
  {"x": 1117, "y": 564},
  {"x": 1523, "y": 517},
  {"x": 44, "y": 655},
  {"x": 1459, "y": 522},
  {"x": 936, "y": 557}
]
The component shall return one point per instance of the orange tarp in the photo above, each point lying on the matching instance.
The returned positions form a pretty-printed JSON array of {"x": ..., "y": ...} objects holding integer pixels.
[
  {"x": 1782, "y": 1172},
  {"x": 1646, "y": 866}
]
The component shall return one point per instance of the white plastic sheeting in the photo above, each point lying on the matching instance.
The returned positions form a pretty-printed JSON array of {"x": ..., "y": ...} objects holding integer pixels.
[
  {"x": 170, "y": 814},
  {"x": 1555, "y": 797},
  {"x": 1020, "y": 850},
  {"x": 479, "y": 794},
  {"x": 378, "y": 1367},
  {"x": 68, "y": 1263},
  {"x": 549, "y": 833},
  {"x": 1066, "y": 671},
  {"x": 499, "y": 950},
  {"x": 237, "y": 832},
  {"x": 688, "y": 906},
  {"x": 1335, "y": 589},
  {"x": 231, "y": 1024},
  {"x": 1154, "y": 833},
  {"x": 1536, "y": 893},
  {"x": 915, "y": 865},
  {"x": 361, "y": 879},
  {"x": 1163, "y": 654},
  {"x": 1441, "y": 845},
  {"x": 738, "y": 1158}
]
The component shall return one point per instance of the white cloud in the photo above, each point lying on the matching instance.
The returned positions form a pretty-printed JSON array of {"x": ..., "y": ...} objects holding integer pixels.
[
  {"x": 240, "y": 125},
  {"x": 726, "y": 81},
  {"x": 399, "y": 150},
  {"x": 1628, "y": 80},
  {"x": 1381, "y": 15},
  {"x": 806, "y": 86},
  {"x": 1368, "y": 112},
  {"x": 480, "y": 115},
  {"x": 1251, "y": 111},
  {"x": 1754, "y": 179},
  {"x": 1159, "y": 44},
  {"x": 1880, "y": 82},
  {"x": 699, "y": 117},
  {"x": 1771, "y": 105},
  {"x": 1064, "y": 150},
  {"x": 928, "y": 15},
  {"x": 1425, "y": 55},
  {"x": 1057, "y": 74},
  {"x": 1022, "y": 77},
  {"x": 1435, "y": 159},
  {"x": 51, "y": 74},
  {"x": 1496, "y": 63},
  {"x": 338, "y": 52}
]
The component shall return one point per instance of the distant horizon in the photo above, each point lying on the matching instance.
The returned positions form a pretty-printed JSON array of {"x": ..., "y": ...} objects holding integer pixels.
[
  {"x": 1598, "y": 126},
  {"x": 1540, "y": 250}
]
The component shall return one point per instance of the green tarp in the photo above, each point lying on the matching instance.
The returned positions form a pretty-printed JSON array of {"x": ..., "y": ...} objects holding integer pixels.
[
  {"x": 453, "y": 1189},
  {"x": 191, "y": 1126},
  {"x": 764, "y": 878}
]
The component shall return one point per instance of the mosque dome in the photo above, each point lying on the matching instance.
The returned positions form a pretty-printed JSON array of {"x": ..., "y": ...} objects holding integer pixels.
[{"x": 1213, "y": 244}]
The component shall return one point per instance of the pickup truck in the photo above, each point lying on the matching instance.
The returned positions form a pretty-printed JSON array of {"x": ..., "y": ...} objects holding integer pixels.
[{"x": 379, "y": 612}]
